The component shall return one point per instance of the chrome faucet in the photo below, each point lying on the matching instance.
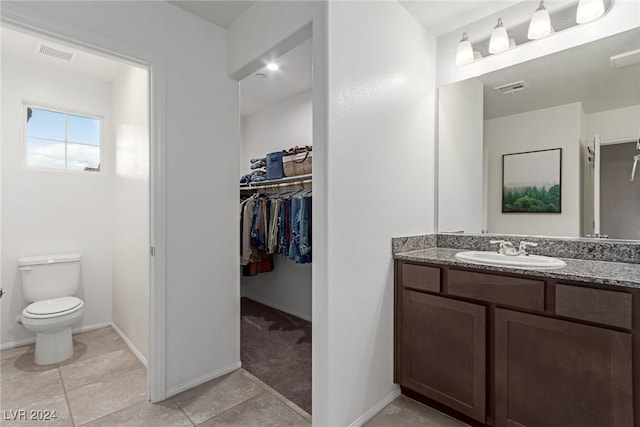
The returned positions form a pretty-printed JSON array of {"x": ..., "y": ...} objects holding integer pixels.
[
  {"x": 506, "y": 248},
  {"x": 522, "y": 249}
]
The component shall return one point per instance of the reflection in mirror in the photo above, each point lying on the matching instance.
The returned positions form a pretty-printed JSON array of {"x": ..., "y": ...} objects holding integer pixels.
[{"x": 584, "y": 101}]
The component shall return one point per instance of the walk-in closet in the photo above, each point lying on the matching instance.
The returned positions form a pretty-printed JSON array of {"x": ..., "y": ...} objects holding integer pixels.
[{"x": 276, "y": 243}]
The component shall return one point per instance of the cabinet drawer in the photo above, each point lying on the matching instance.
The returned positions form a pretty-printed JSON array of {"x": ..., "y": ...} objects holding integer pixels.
[
  {"x": 594, "y": 305},
  {"x": 421, "y": 277},
  {"x": 512, "y": 291}
]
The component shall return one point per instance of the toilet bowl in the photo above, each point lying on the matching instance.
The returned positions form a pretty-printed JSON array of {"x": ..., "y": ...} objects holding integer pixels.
[
  {"x": 51, "y": 320},
  {"x": 49, "y": 283}
]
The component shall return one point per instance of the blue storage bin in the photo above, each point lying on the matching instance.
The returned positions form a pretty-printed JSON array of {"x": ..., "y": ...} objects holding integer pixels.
[{"x": 274, "y": 165}]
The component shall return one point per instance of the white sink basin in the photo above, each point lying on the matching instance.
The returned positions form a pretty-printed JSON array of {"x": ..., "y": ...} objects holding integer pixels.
[{"x": 520, "y": 261}]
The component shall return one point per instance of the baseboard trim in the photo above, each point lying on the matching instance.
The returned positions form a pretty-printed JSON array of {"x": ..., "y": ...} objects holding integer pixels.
[
  {"x": 278, "y": 307},
  {"x": 130, "y": 344},
  {"x": 31, "y": 340},
  {"x": 172, "y": 391},
  {"x": 376, "y": 408}
]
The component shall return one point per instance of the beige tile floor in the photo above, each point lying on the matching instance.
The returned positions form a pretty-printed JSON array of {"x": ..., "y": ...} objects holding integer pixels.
[
  {"x": 103, "y": 384},
  {"x": 404, "y": 412}
]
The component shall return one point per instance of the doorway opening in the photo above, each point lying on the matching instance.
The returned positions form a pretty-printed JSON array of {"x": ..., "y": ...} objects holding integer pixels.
[
  {"x": 76, "y": 178},
  {"x": 616, "y": 193},
  {"x": 276, "y": 154}
]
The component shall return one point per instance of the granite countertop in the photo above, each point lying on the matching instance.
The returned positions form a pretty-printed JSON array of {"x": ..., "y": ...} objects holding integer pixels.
[{"x": 601, "y": 272}]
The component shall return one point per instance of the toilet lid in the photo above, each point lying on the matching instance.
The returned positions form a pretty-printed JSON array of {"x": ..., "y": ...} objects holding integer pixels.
[{"x": 53, "y": 306}]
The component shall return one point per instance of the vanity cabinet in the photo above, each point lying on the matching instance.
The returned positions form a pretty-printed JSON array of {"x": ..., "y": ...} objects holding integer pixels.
[
  {"x": 443, "y": 351},
  {"x": 555, "y": 372},
  {"x": 502, "y": 350}
]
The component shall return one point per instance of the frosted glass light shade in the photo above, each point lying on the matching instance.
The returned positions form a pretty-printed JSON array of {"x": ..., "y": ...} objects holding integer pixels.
[
  {"x": 540, "y": 25},
  {"x": 589, "y": 10},
  {"x": 464, "y": 54},
  {"x": 499, "y": 41}
]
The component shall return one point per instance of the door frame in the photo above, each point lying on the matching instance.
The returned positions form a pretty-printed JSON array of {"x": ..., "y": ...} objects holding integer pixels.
[
  {"x": 598, "y": 143},
  {"x": 13, "y": 15}
]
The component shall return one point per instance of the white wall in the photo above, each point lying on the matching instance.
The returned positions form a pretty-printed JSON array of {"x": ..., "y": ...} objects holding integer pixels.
[
  {"x": 200, "y": 128},
  {"x": 555, "y": 127},
  {"x": 280, "y": 126},
  {"x": 624, "y": 15},
  {"x": 381, "y": 116},
  {"x": 54, "y": 212},
  {"x": 620, "y": 123},
  {"x": 286, "y": 288},
  {"x": 283, "y": 125},
  {"x": 460, "y": 177},
  {"x": 131, "y": 207}
]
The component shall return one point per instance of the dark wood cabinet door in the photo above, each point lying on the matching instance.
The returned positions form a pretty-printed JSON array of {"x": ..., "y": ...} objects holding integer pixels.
[
  {"x": 555, "y": 373},
  {"x": 443, "y": 351}
]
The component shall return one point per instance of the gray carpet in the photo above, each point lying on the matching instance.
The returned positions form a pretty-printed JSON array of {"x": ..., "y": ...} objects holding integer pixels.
[{"x": 276, "y": 347}]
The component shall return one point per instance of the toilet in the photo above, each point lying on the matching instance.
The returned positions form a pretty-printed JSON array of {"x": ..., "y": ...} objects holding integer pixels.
[{"x": 49, "y": 283}]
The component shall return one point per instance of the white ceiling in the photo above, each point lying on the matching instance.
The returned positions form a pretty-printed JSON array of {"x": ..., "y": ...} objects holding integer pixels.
[
  {"x": 582, "y": 74},
  {"x": 24, "y": 46},
  {"x": 440, "y": 16},
  {"x": 443, "y": 16},
  {"x": 293, "y": 77},
  {"x": 221, "y": 13}
]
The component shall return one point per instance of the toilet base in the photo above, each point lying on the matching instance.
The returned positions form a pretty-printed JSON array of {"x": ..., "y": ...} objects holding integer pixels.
[{"x": 53, "y": 347}]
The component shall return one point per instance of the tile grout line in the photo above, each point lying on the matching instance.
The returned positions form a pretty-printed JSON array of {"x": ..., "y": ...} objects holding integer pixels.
[
  {"x": 115, "y": 377},
  {"x": 66, "y": 398},
  {"x": 182, "y": 410},
  {"x": 110, "y": 413},
  {"x": 91, "y": 358},
  {"x": 275, "y": 393},
  {"x": 229, "y": 409},
  {"x": 88, "y": 358},
  {"x": 97, "y": 355}
]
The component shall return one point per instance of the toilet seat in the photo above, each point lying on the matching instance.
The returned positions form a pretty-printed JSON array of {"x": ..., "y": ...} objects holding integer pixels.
[{"x": 52, "y": 308}]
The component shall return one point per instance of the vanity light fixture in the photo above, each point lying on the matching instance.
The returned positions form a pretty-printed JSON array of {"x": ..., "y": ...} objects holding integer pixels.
[
  {"x": 589, "y": 10},
  {"x": 540, "y": 25},
  {"x": 499, "y": 39},
  {"x": 464, "y": 54}
]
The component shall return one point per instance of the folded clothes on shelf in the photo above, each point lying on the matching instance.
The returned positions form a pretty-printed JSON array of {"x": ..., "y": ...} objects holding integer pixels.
[{"x": 256, "y": 176}]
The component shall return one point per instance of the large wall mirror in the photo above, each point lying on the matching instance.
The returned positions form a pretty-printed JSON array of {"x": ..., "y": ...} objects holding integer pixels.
[{"x": 545, "y": 147}]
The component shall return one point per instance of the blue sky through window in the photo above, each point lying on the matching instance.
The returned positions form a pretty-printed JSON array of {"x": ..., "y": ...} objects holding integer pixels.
[
  {"x": 83, "y": 130},
  {"x": 46, "y": 124},
  {"x": 62, "y": 141}
]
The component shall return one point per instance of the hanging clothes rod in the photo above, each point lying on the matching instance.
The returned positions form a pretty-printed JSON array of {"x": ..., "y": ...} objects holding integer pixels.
[{"x": 279, "y": 185}]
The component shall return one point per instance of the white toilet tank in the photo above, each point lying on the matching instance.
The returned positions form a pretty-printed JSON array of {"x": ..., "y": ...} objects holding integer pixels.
[{"x": 49, "y": 276}]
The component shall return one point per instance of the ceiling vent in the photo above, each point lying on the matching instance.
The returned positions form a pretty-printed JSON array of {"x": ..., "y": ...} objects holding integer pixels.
[
  {"x": 56, "y": 52},
  {"x": 511, "y": 87},
  {"x": 625, "y": 59}
]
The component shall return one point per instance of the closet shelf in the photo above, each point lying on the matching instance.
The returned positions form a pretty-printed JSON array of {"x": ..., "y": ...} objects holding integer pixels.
[{"x": 276, "y": 183}]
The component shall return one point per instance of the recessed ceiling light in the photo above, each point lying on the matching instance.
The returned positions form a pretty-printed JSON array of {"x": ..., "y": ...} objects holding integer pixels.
[
  {"x": 272, "y": 66},
  {"x": 260, "y": 75}
]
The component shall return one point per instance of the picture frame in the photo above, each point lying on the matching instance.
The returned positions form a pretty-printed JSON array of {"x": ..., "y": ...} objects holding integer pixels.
[{"x": 532, "y": 181}]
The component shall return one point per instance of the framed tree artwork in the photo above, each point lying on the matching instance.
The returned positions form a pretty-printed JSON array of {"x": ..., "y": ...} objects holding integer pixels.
[{"x": 532, "y": 182}]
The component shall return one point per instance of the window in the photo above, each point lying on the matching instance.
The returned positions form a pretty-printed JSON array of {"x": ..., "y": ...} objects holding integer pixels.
[{"x": 57, "y": 140}]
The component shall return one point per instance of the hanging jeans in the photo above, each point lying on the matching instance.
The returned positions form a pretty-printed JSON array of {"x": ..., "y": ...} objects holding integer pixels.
[
  {"x": 294, "y": 222},
  {"x": 305, "y": 230},
  {"x": 284, "y": 232},
  {"x": 299, "y": 248}
]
